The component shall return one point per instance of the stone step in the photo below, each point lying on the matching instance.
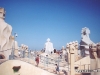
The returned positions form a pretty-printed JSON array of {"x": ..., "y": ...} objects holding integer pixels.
[{"x": 50, "y": 68}]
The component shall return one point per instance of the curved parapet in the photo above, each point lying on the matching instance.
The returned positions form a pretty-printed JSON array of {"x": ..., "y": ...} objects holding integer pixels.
[{"x": 25, "y": 68}]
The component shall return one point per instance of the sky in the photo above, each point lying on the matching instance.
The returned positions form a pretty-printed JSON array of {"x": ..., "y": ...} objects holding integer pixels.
[{"x": 60, "y": 20}]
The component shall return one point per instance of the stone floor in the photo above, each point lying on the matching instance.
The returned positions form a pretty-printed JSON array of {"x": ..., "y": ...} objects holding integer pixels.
[
  {"x": 50, "y": 67},
  {"x": 26, "y": 68},
  {"x": 2, "y": 60}
]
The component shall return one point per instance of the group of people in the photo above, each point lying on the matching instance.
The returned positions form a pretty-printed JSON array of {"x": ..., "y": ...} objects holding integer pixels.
[{"x": 56, "y": 70}]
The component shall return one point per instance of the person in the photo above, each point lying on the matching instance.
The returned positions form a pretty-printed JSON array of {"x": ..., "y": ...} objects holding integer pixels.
[
  {"x": 37, "y": 60},
  {"x": 47, "y": 60},
  {"x": 19, "y": 53},
  {"x": 66, "y": 58},
  {"x": 65, "y": 73},
  {"x": 57, "y": 69},
  {"x": 60, "y": 55}
]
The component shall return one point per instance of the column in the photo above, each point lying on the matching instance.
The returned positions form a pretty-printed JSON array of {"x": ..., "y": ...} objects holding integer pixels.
[
  {"x": 72, "y": 59},
  {"x": 72, "y": 70}
]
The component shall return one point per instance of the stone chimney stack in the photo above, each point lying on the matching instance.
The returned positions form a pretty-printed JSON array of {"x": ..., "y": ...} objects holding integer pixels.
[{"x": 2, "y": 13}]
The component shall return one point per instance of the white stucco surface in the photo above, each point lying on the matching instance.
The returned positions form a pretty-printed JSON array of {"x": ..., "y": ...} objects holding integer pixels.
[{"x": 26, "y": 68}]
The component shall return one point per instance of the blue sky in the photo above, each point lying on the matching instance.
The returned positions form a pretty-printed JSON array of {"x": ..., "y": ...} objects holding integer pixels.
[{"x": 60, "y": 20}]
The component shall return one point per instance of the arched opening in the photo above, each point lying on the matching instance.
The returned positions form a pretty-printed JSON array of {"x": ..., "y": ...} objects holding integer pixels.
[{"x": 2, "y": 56}]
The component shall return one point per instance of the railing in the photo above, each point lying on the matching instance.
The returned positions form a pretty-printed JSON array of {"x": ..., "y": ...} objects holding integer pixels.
[{"x": 46, "y": 62}]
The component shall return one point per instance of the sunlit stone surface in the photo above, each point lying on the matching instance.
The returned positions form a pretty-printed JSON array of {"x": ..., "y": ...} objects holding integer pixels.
[
  {"x": 6, "y": 38},
  {"x": 48, "y": 46},
  {"x": 85, "y": 41}
]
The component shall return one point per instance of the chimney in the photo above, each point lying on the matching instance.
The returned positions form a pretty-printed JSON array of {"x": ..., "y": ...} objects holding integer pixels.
[{"x": 2, "y": 13}]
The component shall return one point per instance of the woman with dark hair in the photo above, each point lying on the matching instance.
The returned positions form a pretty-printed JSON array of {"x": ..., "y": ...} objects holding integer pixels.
[{"x": 37, "y": 60}]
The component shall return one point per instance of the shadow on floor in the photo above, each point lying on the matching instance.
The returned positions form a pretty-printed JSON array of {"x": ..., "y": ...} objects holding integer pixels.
[{"x": 86, "y": 73}]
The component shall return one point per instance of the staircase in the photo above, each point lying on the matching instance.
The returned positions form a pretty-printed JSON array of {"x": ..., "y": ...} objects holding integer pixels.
[
  {"x": 83, "y": 63},
  {"x": 50, "y": 68}
]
